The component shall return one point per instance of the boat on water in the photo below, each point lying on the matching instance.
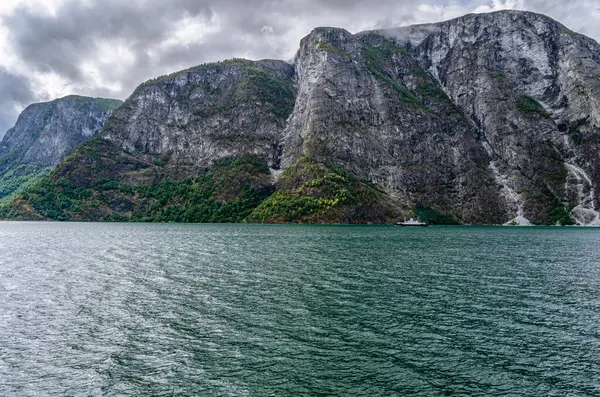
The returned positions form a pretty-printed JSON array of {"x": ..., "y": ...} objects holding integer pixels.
[{"x": 411, "y": 222}]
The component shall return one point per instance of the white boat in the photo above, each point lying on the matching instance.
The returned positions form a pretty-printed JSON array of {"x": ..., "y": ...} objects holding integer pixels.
[{"x": 411, "y": 222}]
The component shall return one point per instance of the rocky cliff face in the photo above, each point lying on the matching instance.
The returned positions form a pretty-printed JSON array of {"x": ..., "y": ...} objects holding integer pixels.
[
  {"x": 365, "y": 104},
  {"x": 530, "y": 84},
  {"x": 488, "y": 118},
  {"x": 195, "y": 117},
  {"x": 45, "y": 134}
]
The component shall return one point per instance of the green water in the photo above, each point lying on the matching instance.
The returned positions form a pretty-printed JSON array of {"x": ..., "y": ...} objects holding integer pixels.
[{"x": 242, "y": 310}]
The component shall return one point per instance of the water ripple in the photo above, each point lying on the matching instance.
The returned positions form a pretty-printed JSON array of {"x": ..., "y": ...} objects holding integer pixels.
[{"x": 229, "y": 310}]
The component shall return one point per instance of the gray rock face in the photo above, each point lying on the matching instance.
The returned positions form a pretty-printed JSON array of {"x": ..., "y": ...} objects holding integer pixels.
[
  {"x": 364, "y": 103},
  {"x": 197, "y": 116},
  {"x": 46, "y": 133},
  {"x": 531, "y": 86}
]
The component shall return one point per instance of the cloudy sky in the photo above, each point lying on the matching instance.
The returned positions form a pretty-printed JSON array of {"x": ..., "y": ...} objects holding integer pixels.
[{"x": 53, "y": 48}]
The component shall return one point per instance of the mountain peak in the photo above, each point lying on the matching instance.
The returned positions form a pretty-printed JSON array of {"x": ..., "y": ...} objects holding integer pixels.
[{"x": 478, "y": 24}]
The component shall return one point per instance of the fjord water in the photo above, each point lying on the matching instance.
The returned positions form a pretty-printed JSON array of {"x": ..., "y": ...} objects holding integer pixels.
[{"x": 244, "y": 310}]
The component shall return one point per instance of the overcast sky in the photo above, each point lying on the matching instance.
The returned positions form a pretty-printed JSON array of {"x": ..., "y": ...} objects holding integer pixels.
[{"x": 53, "y": 48}]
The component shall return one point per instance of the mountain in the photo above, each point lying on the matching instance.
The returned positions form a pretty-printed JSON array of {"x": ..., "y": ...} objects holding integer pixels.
[
  {"x": 531, "y": 86},
  {"x": 486, "y": 119},
  {"x": 44, "y": 135}
]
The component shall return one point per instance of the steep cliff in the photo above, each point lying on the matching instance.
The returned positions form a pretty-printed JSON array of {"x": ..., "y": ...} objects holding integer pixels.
[
  {"x": 488, "y": 118},
  {"x": 531, "y": 86},
  {"x": 365, "y": 104},
  {"x": 194, "y": 117},
  {"x": 44, "y": 135}
]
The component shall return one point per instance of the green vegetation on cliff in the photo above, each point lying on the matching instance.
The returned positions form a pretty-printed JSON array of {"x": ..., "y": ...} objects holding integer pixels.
[
  {"x": 18, "y": 178},
  {"x": 530, "y": 106},
  {"x": 85, "y": 103},
  {"x": 226, "y": 193},
  {"x": 554, "y": 211},
  {"x": 434, "y": 217},
  {"x": 328, "y": 47},
  {"x": 310, "y": 192},
  {"x": 270, "y": 88},
  {"x": 560, "y": 215},
  {"x": 236, "y": 189},
  {"x": 376, "y": 59}
]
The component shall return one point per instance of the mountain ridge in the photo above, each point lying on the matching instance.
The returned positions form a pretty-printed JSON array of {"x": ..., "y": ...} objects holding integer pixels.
[{"x": 486, "y": 118}]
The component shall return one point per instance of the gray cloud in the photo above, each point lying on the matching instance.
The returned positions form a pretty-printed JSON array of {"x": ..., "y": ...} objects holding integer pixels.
[
  {"x": 582, "y": 16},
  {"x": 15, "y": 93},
  {"x": 61, "y": 42},
  {"x": 64, "y": 41}
]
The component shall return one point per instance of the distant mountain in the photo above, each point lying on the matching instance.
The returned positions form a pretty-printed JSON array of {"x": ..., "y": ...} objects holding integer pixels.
[
  {"x": 487, "y": 119},
  {"x": 44, "y": 135}
]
